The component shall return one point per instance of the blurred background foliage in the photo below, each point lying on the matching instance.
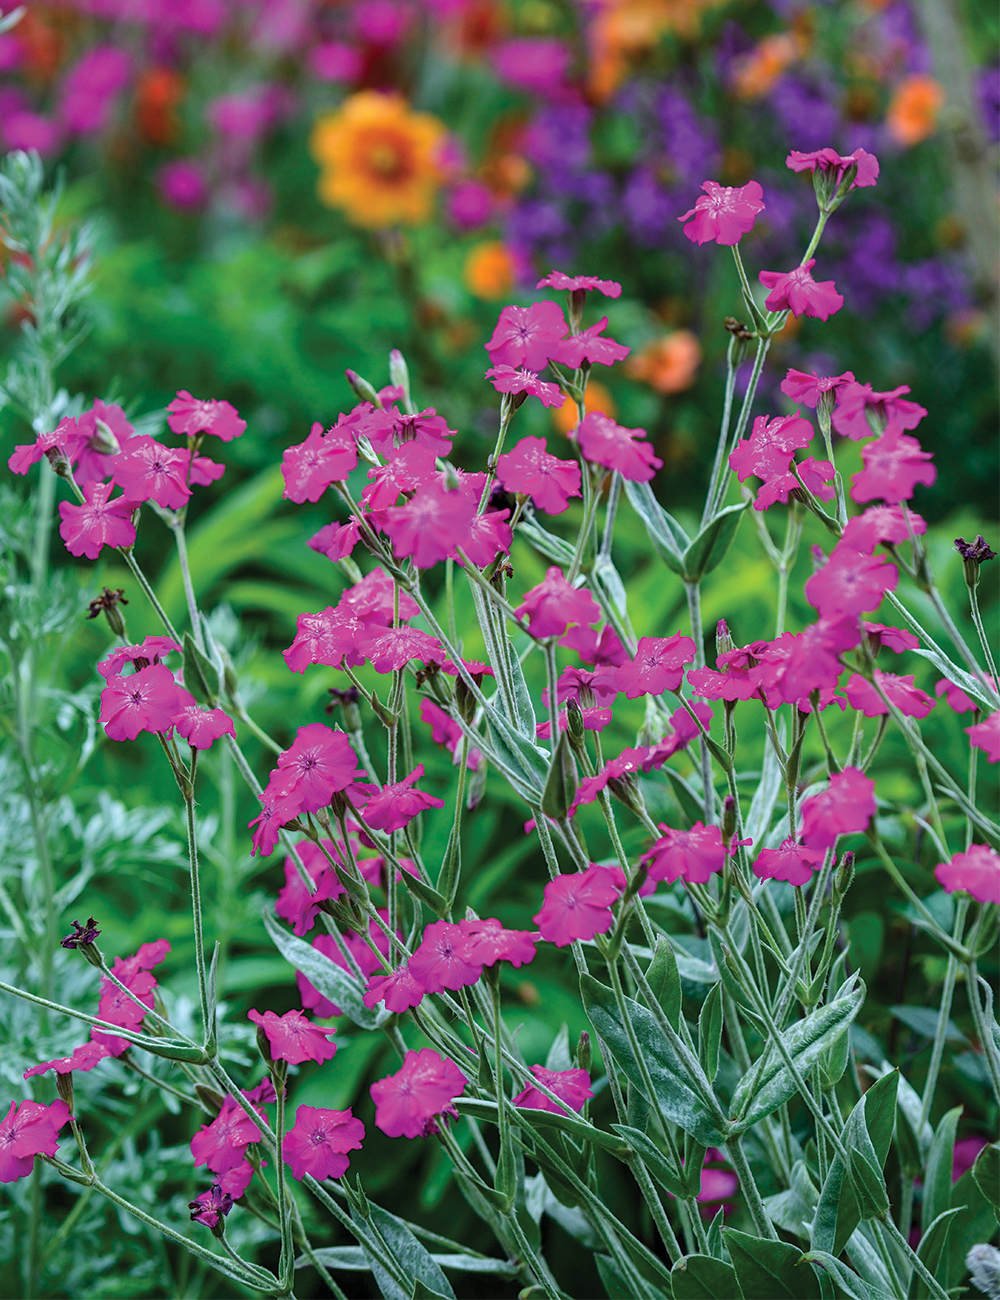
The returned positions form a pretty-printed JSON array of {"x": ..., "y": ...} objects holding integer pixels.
[{"x": 574, "y": 136}]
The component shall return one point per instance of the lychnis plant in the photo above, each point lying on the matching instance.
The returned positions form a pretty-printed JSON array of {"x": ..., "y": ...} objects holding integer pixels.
[{"x": 759, "y": 861}]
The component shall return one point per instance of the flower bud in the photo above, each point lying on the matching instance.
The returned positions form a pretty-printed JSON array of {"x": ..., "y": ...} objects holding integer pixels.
[
  {"x": 82, "y": 938},
  {"x": 347, "y": 702},
  {"x": 57, "y": 459},
  {"x": 103, "y": 439},
  {"x": 974, "y": 555},
  {"x": 363, "y": 388},
  {"x": 399, "y": 374},
  {"x": 64, "y": 1087},
  {"x": 728, "y": 818},
  {"x": 574, "y": 723},
  {"x": 584, "y": 1052},
  {"x": 723, "y": 638},
  {"x": 107, "y": 604},
  {"x": 845, "y": 874},
  {"x": 465, "y": 701}
]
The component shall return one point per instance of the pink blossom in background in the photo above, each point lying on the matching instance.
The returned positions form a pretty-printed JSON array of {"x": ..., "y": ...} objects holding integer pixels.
[
  {"x": 311, "y": 466},
  {"x": 328, "y": 887},
  {"x": 181, "y": 184},
  {"x": 894, "y": 465},
  {"x": 98, "y": 446},
  {"x": 407, "y": 1102},
  {"x": 382, "y": 22},
  {"x": 723, "y": 213},
  {"x": 388, "y": 649},
  {"x": 191, "y": 415},
  {"x": 202, "y": 727},
  {"x": 577, "y": 906},
  {"x": 506, "y": 379},
  {"x": 537, "y": 64},
  {"x": 576, "y": 283},
  {"x": 603, "y": 442},
  {"x": 693, "y": 855},
  {"x": 837, "y": 165},
  {"x": 985, "y": 735},
  {"x": 318, "y": 763},
  {"x": 91, "y": 86},
  {"x": 790, "y": 861},
  {"x": 311, "y": 998},
  {"x": 570, "y": 1086},
  {"x": 849, "y": 418},
  {"x": 144, "y": 701},
  {"x": 336, "y": 541},
  {"x": 489, "y": 535},
  {"x": 527, "y": 336},
  {"x": 100, "y": 521},
  {"x": 446, "y": 731},
  {"x": 553, "y": 605},
  {"x": 469, "y": 205},
  {"x": 846, "y": 807},
  {"x": 769, "y": 449},
  {"x": 896, "y": 639},
  {"x": 850, "y": 583},
  {"x": 603, "y": 647},
  {"x": 530, "y": 468},
  {"x": 809, "y": 388},
  {"x": 396, "y": 805},
  {"x": 29, "y": 1129},
  {"x": 882, "y": 524},
  {"x": 335, "y": 61},
  {"x": 432, "y": 524},
  {"x": 901, "y": 692},
  {"x": 242, "y": 118},
  {"x": 222, "y": 1144},
  {"x": 277, "y": 810},
  {"x": 319, "y": 1140},
  {"x": 594, "y": 719},
  {"x": 591, "y": 345},
  {"x": 965, "y": 1154},
  {"x": 82, "y": 1058},
  {"x": 327, "y": 637},
  {"x": 956, "y": 697},
  {"x": 485, "y": 942},
  {"x": 398, "y": 990},
  {"x": 975, "y": 872},
  {"x": 658, "y": 666},
  {"x": 795, "y": 664},
  {"x": 440, "y": 963},
  {"x": 796, "y": 291},
  {"x": 11, "y": 52},
  {"x": 294, "y": 1038},
  {"x": 27, "y": 130}
]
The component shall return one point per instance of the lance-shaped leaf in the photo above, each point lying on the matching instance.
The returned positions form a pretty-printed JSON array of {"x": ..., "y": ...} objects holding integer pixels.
[
  {"x": 325, "y": 975},
  {"x": 710, "y": 1031},
  {"x": 709, "y": 548},
  {"x": 940, "y": 1161},
  {"x": 986, "y": 1172},
  {"x": 852, "y": 1286},
  {"x": 552, "y": 547},
  {"x": 574, "y": 1125},
  {"x": 669, "y": 1178},
  {"x": 561, "y": 782},
  {"x": 669, "y": 539},
  {"x": 394, "y": 1255},
  {"x": 676, "y": 1091},
  {"x": 664, "y": 980},
  {"x": 932, "y": 1252},
  {"x": 699, "y": 1277},
  {"x": 201, "y": 676},
  {"x": 352, "y": 1259},
  {"x": 770, "y": 1082},
  {"x": 770, "y": 1270}
]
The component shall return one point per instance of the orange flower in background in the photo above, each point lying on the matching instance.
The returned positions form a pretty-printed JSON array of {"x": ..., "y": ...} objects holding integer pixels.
[
  {"x": 489, "y": 270},
  {"x": 597, "y": 398},
  {"x": 379, "y": 160},
  {"x": 669, "y": 364},
  {"x": 626, "y": 29},
  {"x": 761, "y": 68},
  {"x": 158, "y": 94},
  {"x": 913, "y": 112}
]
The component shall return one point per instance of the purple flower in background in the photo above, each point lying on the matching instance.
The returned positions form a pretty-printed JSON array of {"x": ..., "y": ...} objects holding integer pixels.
[
  {"x": 649, "y": 209},
  {"x": 335, "y": 61},
  {"x": 807, "y": 112},
  {"x": 91, "y": 86},
  {"x": 382, "y": 22},
  {"x": 558, "y": 138},
  {"x": 870, "y": 269},
  {"x": 537, "y": 65},
  {"x": 934, "y": 286},
  {"x": 26, "y": 130},
  {"x": 688, "y": 139},
  {"x": 470, "y": 205},
  {"x": 988, "y": 91},
  {"x": 902, "y": 48},
  {"x": 182, "y": 185},
  {"x": 242, "y": 117}
]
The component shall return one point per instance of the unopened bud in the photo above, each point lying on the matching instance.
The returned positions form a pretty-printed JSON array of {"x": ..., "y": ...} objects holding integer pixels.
[
  {"x": 64, "y": 1087},
  {"x": 845, "y": 874},
  {"x": 347, "y": 702},
  {"x": 465, "y": 700},
  {"x": 103, "y": 440},
  {"x": 723, "y": 638},
  {"x": 57, "y": 459},
  {"x": 107, "y": 604},
  {"x": 974, "y": 555},
  {"x": 574, "y": 723},
  {"x": 363, "y": 388},
  {"x": 728, "y": 818},
  {"x": 399, "y": 374},
  {"x": 877, "y": 417},
  {"x": 584, "y": 1052},
  {"x": 264, "y": 1046},
  {"x": 213, "y": 1100}
]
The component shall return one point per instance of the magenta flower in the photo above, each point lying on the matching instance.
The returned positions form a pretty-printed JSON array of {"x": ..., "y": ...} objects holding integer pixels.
[
  {"x": 328, "y": 887},
  {"x": 373, "y": 598},
  {"x": 894, "y": 465},
  {"x": 397, "y": 805},
  {"x": 426, "y": 429},
  {"x": 589, "y": 345},
  {"x": 796, "y": 291},
  {"x": 336, "y": 541},
  {"x": 277, "y": 809},
  {"x": 975, "y": 872},
  {"x": 398, "y": 990},
  {"x": 82, "y": 1058},
  {"x": 603, "y": 647},
  {"x": 603, "y": 442},
  {"x": 202, "y": 727},
  {"x": 446, "y": 731},
  {"x": 152, "y": 649},
  {"x": 295, "y": 894},
  {"x": 527, "y": 336},
  {"x": 836, "y": 165},
  {"x": 27, "y": 1130},
  {"x": 116, "y": 1007},
  {"x": 431, "y": 525},
  {"x": 144, "y": 701},
  {"x": 570, "y": 1086},
  {"x": 730, "y": 684},
  {"x": 191, "y": 415},
  {"x": 486, "y": 942},
  {"x": 896, "y": 639},
  {"x": 809, "y": 388},
  {"x": 310, "y": 467},
  {"x": 388, "y": 649},
  {"x": 222, "y": 1144},
  {"x": 99, "y": 522},
  {"x": 319, "y": 1140},
  {"x": 576, "y": 283},
  {"x": 553, "y": 605},
  {"x": 956, "y": 697},
  {"x": 236, "y": 1180},
  {"x": 790, "y": 861},
  {"x": 845, "y": 807},
  {"x": 181, "y": 183},
  {"x": 66, "y": 437},
  {"x": 850, "y": 583},
  {"x": 816, "y": 475},
  {"x": 794, "y": 665},
  {"x": 440, "y": 962},
  {"x": 577, "y": 906},
  {"x": 769, "y": 449},
  {"x": 985, "y": 735},
  {"x": 147, "y": 471},
  {"x": 658, "y": 666},
  {"x": 324, "y": 638},
  {"x": 723, "y": 213},
  {"x": 405, "y": 470},
  {"x": 506, "y": 379},
  {"x": 882, "y": 524},
  {"x": 209, "y": 1207},
  {"x": 594, "y": 719},
  {"x": 294, "y": 1038},
  {"x": 856, "y": 402},
  {"x": 489, "y": 535},
  {"x": 530, "y": 468},
  {"x": 693, "y": 855},
  {"x": 98, "y": 445},
  {"x": 902, "y": 692},
  {"x": 319, "y": 762},
  {"x": 407, "y": 1101}
]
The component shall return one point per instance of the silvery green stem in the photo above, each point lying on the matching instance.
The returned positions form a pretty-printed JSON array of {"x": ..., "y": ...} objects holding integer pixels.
[
  {"x": 723, "y": 443},
  {"x": 941, "y": 1032},
  {"x": 693, "y": 591},
  {"x": 749, "y": 1189},
  {"x": 144, "y": 583},
  {"x": 984, "y": 641},
  {"x": 177, "y": 528},
  {"x": 984, "y": 1030},
  {"x": 207, "y": 1012},
  {"x": 916, "y": 1263}
]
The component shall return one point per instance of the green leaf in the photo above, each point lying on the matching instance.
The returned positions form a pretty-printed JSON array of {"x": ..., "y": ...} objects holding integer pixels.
[
  {"x": 451, "y": 867},
  {"x": 677, "y": 1095},
  {"x": 986, "y": 1172},
  {"x": 710, "y": 1031},
  {"x": 421, "y": 1291},
  {"x": 699, "y": 1277},
  {"x": 975, "y": 1222},
  {"x": 709, "y": 548},
  {"x": 833, "y": 1062},
  {"x": 868, "y": 1184},
  {"x": 770, "y": 1270},
  {"x": 652, "y": 1157},
  {"x": 435, "y": 900},
  {"x": 561, "y": 782},
  {"x": 201, "y": 677},
  {"x": 612, "y": 1281},
  {"x": 325, "y": 975},
  {"x": 691, "y": 805},
  {"x": 932, "y": 1253},
  {"x": 854, "y": 1287},
  {"x": 574, "y": 1125},
  {"x": 793, "y": 1210},
  {"x": 381, "y": 1233},
  {"x": 665, "y": 981},
  {"x": 912, "y": 1147},
  {"x": 769, "y": 1083},
  {"x": 552, "y": 547},
  {"x": 940, "y": 1160},
  {"x": 669, "y": 539}
]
